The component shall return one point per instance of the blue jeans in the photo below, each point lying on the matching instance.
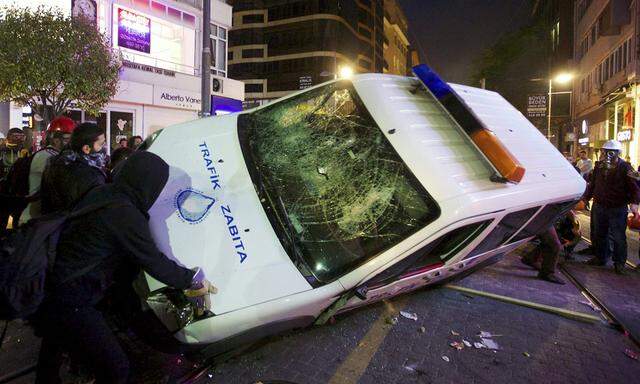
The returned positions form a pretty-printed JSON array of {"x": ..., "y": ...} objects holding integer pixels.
[{"x": 610, "y": 229}]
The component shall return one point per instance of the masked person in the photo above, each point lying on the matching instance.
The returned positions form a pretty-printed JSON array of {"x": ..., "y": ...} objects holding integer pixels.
[
  {"x": 101, "y": 250},
  {"x": 57, "y": 138},
  {"x": 13, "y": 149},
  {"x": 75, "y": 171},
  {"x": 612, "y": 189}
]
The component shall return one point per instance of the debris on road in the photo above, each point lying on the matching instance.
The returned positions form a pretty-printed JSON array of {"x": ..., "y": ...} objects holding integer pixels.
[
  {"x": 391, "y": 320},
  {"x": 445, "y": 358},
  {"x": 489, "y": 343},
  {"x": 409, "y": 315},
  {"x": 454, "y": 333},
  {"x": 487, "y": 335},
  {"x": 466, "y": 343},
  {"x": 478, "y": 345},
  {"x": 632, "y": 354},
  {"x": 526, "y": 354},
  {"x": 413, "y": 367},
  {"x": 457, "y": 345},
  {"x": 422, "y": 329}
]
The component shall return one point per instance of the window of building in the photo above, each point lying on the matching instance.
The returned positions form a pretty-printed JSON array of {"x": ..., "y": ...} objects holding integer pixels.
[
  {"x": 154, "y": 41},
  {"x": 252, "y": 53},
  {"x": 219, "y": 45},
  {"x": 252, "y": 19}
]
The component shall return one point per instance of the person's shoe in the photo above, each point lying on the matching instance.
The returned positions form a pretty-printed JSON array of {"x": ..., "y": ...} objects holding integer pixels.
[
  {"x": 550, "y": 277},
  {"x": 595, "y": 261},
  {"x": 619, "y": 268}
]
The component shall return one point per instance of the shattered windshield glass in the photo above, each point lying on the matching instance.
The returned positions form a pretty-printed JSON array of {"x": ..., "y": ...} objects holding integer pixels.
[{"x": 334, "y": 188}]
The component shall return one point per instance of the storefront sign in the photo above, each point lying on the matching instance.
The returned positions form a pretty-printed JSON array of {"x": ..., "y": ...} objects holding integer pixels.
[
  {"x": 305, "y": 82},
  {"x": 583, "y": 141},
  {"x": 176, "y": 98},
  {"x": 625, "y": 135},
  {"x": 537, "y": 106},
  {"x": 134, "y": 31},
  {"x": 148, "y": 68}
]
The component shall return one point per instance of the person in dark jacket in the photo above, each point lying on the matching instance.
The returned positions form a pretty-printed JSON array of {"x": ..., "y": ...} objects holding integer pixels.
[
  {"x": 612, "y": 189},
  {"x": 75, "y": 171},
  {"x": 97, "y": 252}
]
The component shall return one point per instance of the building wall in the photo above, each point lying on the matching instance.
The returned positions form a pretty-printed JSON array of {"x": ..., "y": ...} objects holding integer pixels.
[
  {"x": 396, "y": 43},
  {"x": 607, "y": 64},
  {"x": 277, "y": 47}
]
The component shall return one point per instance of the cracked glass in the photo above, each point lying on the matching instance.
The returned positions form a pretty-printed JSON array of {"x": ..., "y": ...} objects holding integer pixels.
[{"x": 335, "y": 190}]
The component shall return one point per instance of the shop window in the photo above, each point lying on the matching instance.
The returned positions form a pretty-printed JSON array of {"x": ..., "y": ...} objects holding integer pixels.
[{"x": 121, "y": 127}]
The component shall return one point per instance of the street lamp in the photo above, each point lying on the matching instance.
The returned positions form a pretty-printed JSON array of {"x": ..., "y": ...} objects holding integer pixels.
[
  {"x": 562, "y": 78},
  {"x": 346, "y": 72}
]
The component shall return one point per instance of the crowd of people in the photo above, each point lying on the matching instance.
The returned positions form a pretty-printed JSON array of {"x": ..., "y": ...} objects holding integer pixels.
[{"x": 99, "y": 253}]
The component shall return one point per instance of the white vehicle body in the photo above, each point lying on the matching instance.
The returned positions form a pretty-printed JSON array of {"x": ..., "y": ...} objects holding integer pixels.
[{"x": 222, "y": 226}]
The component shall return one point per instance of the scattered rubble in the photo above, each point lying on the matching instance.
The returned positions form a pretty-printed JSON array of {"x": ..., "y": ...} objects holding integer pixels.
[
  {"x": 632, "y": 354},
  {"x": 445, "y": 358},
  {"x": 409, "y": 315},
  {"x": 422, "y": 329}
]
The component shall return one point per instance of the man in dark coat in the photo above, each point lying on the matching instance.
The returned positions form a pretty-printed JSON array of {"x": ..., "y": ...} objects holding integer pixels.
[
  {"x": 75, "y": 171},
  {"x": 92, "y": 252}
]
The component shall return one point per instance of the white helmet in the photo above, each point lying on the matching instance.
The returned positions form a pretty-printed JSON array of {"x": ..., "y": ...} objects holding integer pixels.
[{"x": 612, "y": 145}]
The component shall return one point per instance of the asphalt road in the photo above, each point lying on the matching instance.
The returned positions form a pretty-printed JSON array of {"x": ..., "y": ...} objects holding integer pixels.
[{"x": 369, "y": 346}]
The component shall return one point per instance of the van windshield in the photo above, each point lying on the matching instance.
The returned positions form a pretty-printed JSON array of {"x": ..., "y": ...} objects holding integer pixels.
[{"x": 334, "y": 188}]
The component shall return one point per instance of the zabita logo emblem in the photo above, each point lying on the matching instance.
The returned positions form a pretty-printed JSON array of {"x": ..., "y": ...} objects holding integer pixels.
[{"x": 193, "y": 206}]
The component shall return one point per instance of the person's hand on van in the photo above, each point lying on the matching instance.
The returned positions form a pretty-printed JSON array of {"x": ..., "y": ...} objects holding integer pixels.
[{"x": 199, "y": 291}]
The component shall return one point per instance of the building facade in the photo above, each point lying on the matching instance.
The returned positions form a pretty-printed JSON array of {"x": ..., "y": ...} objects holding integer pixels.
[
  {"x": 396, "y": 43},
  {"x": 160, "y": 81},
  {"x": 607, "y": 62},
  {"x": 280, "y": 46}
]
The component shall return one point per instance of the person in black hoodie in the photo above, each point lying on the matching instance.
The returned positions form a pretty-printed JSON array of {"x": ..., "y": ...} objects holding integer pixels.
[{"x": 96, "y": 252}]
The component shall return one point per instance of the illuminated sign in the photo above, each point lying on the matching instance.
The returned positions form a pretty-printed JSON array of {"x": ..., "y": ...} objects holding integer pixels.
[
  {"x": 624, "y": 135},
  {"x": 585, "y": 127},
  {"x": 537, "y": 106},
  {"x": 134, "y": 31},
  {"x": 584, "y": 141}
]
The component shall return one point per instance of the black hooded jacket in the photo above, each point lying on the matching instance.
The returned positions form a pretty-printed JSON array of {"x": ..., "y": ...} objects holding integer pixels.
[{"x": 116, "y": 239}]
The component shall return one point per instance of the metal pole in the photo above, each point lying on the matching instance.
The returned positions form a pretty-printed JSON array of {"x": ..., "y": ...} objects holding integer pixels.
[
  {"x": 205, "y": 104},
  {"x": 549, "y": 114}
]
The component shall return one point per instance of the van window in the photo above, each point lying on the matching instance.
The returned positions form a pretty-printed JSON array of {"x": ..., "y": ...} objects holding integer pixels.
[
  {"x": 509, "y": 225},
  {"x": 334, "y": 188},
  {"x": 434, "y": 254}
]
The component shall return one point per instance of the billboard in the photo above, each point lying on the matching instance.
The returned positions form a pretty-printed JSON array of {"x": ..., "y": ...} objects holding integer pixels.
[
  {"x": 537, "y": 106},
  {"x": 134, "y": 31}
]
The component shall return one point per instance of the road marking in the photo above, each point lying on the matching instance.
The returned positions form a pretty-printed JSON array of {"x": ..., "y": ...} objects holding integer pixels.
[{"x": 350, "y": 371}]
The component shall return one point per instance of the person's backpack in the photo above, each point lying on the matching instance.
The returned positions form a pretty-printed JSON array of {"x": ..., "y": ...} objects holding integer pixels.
[{"x": 26, "y": 255}]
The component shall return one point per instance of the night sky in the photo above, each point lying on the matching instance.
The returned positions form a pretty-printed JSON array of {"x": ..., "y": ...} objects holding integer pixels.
[{"x": 452, "y": 33}]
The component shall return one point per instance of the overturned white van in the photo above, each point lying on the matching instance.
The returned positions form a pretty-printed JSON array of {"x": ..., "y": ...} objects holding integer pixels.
[{"x": 344, "y": 194}]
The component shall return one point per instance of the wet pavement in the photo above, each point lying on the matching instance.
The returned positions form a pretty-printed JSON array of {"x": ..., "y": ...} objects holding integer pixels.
[{"x": 365, "y": 346}]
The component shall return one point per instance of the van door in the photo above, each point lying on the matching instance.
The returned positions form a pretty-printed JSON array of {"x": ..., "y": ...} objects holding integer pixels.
[{"x": 408, "y": 273}]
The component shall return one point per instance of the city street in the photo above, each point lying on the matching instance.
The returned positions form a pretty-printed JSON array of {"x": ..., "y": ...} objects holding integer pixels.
[{"x": 378, "y": 345}]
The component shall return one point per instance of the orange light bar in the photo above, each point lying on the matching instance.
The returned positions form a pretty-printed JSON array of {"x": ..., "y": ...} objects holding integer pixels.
[
  {"x": 498, "y": 155},
  {"x": 507, "y": 167}
]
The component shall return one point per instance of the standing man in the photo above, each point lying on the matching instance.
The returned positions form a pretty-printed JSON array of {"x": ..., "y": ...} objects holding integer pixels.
[
  {"x": 585, "y": 165},
  {"x": 57, "y": 138},
  {"x": 612, "y": 189}
]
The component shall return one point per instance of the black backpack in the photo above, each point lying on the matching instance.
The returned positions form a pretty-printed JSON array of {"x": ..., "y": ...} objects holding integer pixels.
[{"x": 26, "y": 255}]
